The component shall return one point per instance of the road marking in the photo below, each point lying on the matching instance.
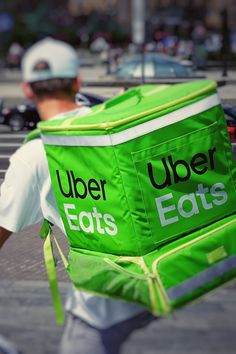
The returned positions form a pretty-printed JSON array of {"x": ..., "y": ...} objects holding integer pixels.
[
  {"x": 9, "y": 136},
  {"x": 5, "y": 156},
  {"x": 10, "y": 144}
]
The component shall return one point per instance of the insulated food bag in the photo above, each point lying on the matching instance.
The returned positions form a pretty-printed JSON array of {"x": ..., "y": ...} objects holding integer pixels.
[{"x": 145, "y": 186}]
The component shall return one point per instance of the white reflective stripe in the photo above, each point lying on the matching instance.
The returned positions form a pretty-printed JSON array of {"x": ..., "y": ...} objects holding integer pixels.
[
  {"x": 136, "y": 131},
  {"x": 202, "y": 278},
  {"x": 96, "y": 140}
]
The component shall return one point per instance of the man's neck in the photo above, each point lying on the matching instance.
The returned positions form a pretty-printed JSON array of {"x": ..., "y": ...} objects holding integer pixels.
[{"x": 49, "y": 108}]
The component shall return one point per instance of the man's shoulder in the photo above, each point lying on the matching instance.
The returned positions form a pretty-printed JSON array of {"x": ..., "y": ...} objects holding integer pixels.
[{"x": 32, "y": 152}]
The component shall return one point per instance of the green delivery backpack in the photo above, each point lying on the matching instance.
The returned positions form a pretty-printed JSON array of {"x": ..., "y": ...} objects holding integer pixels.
[{"x": 145, "y": 186}]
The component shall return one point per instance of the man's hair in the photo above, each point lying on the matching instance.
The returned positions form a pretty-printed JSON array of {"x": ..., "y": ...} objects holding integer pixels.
[{"x": 53, "y": 87}]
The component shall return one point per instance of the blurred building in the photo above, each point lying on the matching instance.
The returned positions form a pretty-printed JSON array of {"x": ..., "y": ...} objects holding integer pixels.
[
  {"x": 200, "y": 9},
  {"x": 173, "y": 11},
  {"x": 85, "y": 7},
  {"x": 82, "y": 21}
]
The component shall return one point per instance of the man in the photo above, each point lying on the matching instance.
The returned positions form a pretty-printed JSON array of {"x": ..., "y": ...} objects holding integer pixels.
[{"x": 50, "y": 78}]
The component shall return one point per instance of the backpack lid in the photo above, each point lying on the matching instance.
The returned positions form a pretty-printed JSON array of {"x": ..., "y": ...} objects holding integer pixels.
[{"x": 136, "y": 105}]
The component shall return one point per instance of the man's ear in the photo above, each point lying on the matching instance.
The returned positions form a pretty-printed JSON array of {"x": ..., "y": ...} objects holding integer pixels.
[{"x": 25, "y": 86}]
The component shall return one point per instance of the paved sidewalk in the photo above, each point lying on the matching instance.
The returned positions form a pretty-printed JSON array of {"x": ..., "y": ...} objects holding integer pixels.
[
  {"x": 22, "y": 256},
  {"x": 27, "y": 317},
  {"x": 207, "y": 327},
  {"x": 26, "y": 313}
]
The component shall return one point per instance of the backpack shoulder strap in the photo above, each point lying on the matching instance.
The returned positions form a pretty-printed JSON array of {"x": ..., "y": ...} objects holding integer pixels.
[
  {"x": 34, "y": 134},
  {"x": 50, "y": 261}
]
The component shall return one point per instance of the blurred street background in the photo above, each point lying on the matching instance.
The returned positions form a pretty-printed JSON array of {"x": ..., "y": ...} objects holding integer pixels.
[
  {"x": 197, "y": 30},
  {"x": 108, "y": 34}
]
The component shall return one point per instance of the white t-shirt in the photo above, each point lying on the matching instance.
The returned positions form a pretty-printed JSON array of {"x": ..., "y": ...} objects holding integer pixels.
[{"x": 26, "y": 198}]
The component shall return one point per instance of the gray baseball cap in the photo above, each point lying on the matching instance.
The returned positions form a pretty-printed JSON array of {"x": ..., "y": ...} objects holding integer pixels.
[{"x": 49, "y": 59}]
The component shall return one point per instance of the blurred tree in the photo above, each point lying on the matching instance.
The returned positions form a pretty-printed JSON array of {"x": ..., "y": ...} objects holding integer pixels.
[{"x": 39, "y": 22}]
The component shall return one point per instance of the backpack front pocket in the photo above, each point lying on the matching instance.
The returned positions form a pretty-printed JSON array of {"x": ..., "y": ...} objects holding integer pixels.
[
  {"x": 185, "y": 183},
  {"x": 197, "y": 264}
]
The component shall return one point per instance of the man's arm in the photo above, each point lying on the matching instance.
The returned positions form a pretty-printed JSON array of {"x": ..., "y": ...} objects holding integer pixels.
[{"x": 4, "y": 235}]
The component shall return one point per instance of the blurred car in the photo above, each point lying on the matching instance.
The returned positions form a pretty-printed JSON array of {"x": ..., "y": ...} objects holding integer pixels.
[
  {"x": 19, "y": 117},
  {"x": 155, "y": 66},
  {"x": 25, "y": 116},
  {"x": 230, "y": 117}
]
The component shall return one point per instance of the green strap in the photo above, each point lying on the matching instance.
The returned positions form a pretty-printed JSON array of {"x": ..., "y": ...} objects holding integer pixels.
[
  {"x": 52, "y": 276},
  {"x": 34, "y": 134},
  {"x": 63, "y": 258}
]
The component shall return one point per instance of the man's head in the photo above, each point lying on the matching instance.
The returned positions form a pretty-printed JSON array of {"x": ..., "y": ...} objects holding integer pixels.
[{"x": 50, "y": 68}]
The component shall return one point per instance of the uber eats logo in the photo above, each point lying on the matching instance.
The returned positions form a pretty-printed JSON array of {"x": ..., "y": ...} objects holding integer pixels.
[
  {"x": 175, "y": 173},
  {"x": 88, "y": 221}
]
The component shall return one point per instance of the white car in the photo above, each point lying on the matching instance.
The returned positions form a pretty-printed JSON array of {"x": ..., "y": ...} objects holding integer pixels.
[{"x": 155, "y": 66}]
